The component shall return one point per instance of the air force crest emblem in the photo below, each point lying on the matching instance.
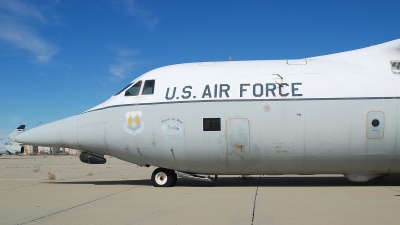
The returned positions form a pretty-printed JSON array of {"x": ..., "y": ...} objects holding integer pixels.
[{"x": 133, "y": 122}]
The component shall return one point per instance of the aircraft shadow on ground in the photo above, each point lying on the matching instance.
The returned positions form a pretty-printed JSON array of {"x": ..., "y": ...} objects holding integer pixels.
[{"x": 254, "y": 181}]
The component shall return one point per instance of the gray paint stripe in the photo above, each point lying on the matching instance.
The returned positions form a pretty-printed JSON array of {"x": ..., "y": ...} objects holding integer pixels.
[{"x": 247, "y": 100}]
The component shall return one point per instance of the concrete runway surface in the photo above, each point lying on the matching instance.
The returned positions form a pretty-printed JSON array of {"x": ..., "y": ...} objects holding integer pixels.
[{"x": 121, "y": 193}]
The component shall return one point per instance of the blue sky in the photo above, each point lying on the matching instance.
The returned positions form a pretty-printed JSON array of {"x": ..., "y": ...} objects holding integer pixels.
[{"x": 59, "y": 58}]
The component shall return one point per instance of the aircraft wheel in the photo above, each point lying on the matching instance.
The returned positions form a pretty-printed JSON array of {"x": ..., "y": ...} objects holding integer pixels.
[{"x": 163, "y": 177}]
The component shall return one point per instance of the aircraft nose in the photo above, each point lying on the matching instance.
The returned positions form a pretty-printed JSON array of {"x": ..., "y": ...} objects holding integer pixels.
[
  {"x": 46, "y": 135},
  {"x": 49, "y": 135}
]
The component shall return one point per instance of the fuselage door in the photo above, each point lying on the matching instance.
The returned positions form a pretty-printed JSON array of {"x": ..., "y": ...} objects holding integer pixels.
[{"x": 238, "y": 136}]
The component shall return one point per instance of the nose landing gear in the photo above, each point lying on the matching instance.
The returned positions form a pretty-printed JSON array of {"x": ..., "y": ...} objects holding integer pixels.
[{"x": 164, "y": 178}]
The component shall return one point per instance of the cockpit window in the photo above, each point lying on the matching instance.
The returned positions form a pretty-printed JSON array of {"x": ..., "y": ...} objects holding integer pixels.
[
  {"x": 134, "y": 90},
  {"x": 395, "y": 66},
  {"x": 148, "y": 88},
  {"x": 123, "y": 89}
]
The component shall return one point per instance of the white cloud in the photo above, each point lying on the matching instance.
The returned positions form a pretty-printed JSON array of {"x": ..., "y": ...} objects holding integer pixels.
[
  {"x": 14, "y": 29},
  {"x": 126, "y": 52},
  {"x": 23, "y": 9},
  {"x": 122, "y": 69},
  {"x": 124, "y": 65},
  {"x": 24, "y": 38},
  {"x": 145, "y": 16}
]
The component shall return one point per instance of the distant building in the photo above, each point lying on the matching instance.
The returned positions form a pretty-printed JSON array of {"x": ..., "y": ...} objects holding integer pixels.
[{"x": 34, "y": 150}]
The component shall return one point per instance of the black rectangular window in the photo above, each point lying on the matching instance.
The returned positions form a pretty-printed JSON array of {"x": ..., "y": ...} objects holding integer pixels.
[
  {"x": 211, "y": 124},
  {"x": 119, "y": 92},
  {"x": 395, "y": 66},
  {"x": 134, "y": 90},
  {"x": 148, "y": 88}
]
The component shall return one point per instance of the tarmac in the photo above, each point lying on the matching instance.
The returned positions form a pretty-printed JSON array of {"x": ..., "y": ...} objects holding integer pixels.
[{"x": 62, "y": 190}]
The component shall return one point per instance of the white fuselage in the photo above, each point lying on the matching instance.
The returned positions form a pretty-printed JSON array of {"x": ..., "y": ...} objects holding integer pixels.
[{"x": 307, "y": 116}]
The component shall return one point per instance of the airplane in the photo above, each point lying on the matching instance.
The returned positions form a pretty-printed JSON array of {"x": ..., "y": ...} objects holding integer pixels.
[
  {"x": 331, "y": 114},
  {"x": 8, "y": 146}
]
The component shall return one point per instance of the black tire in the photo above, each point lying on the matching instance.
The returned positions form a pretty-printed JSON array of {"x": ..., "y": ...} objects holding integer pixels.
[{"x": 163, "y": 177}]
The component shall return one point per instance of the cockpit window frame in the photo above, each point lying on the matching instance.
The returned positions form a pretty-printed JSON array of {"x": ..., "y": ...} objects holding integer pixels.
[
  {"x": 123, "y": 89},
  {"x": 147, "y": 85},
  {"x": 138, "y": 85}
]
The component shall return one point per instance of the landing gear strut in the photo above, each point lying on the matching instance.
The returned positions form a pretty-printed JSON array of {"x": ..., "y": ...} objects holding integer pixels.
[{"x": 164, "y": 178}]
